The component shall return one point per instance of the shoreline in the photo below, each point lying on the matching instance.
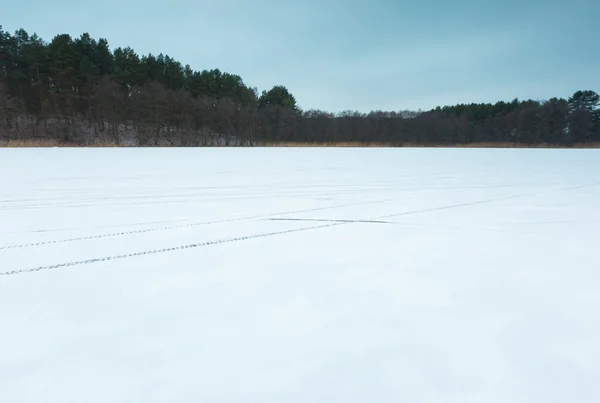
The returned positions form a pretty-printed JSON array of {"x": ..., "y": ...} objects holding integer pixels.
[{"x": 42, "y": 143}]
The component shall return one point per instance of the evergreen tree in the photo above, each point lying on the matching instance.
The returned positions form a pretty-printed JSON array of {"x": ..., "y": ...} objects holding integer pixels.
[{"x": 277, "y": 96}]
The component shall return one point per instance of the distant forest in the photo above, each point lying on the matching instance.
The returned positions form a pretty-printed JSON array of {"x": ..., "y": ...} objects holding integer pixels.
[{"x": 79, "y": 91}]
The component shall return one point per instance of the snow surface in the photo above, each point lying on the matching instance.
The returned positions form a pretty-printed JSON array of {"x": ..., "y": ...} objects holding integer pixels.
[{"x": 475, "y": 281}]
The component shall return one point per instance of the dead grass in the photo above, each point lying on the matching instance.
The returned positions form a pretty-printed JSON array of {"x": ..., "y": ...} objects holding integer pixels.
[
  {"x": 33, "y": 143},
  {"x": 329, "y": 144},
  {"x": 410, "y": 145},
  {"x": 513, "y": 145},
  {"x": 45, "y": 143}
]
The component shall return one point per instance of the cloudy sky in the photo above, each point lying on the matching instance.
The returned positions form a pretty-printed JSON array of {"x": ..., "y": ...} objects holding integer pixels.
[{"x": 358, "y": 55}]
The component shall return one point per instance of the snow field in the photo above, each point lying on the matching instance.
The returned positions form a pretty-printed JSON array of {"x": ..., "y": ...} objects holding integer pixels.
[{"x": 475, "y": 279}]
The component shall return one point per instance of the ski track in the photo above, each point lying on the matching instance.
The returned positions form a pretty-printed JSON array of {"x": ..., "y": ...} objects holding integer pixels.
[
  {"x": 163, "y": 250},
  {"x": 261, "y": 216},
  {"x": 270, "y": 234},
  {"x": 194, "y": 224},
  {"x": 67, "y": 204},
  {"x": 260, "y": 193}
]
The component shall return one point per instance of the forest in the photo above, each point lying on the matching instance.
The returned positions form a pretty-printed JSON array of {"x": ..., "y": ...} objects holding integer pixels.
[{"x": 79, "y": 91}]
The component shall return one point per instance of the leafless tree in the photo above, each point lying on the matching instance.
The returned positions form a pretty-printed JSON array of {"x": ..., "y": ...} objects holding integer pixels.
[{"x": 8, "y": 113}]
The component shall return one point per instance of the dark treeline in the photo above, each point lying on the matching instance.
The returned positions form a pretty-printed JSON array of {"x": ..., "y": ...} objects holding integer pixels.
[{"x": 78, "y": 90}]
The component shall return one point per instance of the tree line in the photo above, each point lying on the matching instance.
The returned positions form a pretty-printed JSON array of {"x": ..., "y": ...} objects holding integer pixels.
[{"x": 78, "y": 90}]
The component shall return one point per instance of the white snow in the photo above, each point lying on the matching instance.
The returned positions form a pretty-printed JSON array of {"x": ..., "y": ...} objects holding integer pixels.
[{"x": 481, "y": 284}]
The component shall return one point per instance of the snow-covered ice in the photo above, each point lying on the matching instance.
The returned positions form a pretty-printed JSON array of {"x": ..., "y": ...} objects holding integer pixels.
[{"x": 299, "y": 275}]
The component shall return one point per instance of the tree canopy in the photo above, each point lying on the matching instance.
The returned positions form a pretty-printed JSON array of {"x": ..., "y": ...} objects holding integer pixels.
[{"x": 277, "y": 96}]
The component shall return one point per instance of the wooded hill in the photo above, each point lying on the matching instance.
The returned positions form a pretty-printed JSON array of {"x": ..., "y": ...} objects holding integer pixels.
[{"x": 79, "y": 91}]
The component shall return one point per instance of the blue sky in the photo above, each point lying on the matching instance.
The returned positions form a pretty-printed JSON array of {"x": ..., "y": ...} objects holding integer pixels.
[{"x": 353, "y": 55}]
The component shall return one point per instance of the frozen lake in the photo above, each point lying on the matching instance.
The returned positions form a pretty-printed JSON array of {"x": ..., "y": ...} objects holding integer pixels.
[{"x": 299, "y": 275}]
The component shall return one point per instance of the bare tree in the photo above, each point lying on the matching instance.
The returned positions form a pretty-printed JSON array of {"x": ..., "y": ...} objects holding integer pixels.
[
  {"x": 107, "y": 110},
  {"x": 7, "y": 113}
]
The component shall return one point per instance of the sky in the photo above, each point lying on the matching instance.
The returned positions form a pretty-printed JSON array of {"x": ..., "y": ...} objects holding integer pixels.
[{"x": 353, "y": 55}]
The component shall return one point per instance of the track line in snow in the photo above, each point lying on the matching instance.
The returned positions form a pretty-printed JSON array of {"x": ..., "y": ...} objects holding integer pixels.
[
  {"x": 135, "y": 224},
  {"x": 331, "y": 220},
  {"x": 164, "y": 250},
  {"x": 217, "y": 196},
  {"x": 305, "y": 190},
  {"x": 484, "y": 201},
  {"x": 410, "y": 225},
  {"x": 133, "y": 201},
  {"x": 193, "y": 224},
  {"x": 268, "y": 234}
]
